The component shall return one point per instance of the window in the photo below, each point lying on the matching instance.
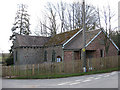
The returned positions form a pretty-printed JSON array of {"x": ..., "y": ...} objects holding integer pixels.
[
  {"x": 53, "y": 56},
  {"x": 45, "y": 56},
  {"x": 16, "y": 55},
  {"x": 59, "y": 59},
  {"x": 101, "y": 53}
]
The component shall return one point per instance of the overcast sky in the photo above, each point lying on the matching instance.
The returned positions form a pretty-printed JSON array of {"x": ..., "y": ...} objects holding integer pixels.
[{"x": 8, "y": 10}]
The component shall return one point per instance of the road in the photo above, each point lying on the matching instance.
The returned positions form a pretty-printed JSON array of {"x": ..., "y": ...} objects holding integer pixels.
[{"x": 106, "y": 80}]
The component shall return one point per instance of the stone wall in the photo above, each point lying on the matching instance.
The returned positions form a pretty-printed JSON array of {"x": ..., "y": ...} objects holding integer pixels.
[
  {"x": 36, "y": 55},
  {"x": 57, "y": 49},
  {"x": 28, "y": 55}
]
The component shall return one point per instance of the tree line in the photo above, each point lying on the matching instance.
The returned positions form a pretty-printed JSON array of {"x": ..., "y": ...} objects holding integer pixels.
[
  {"x": 65, "y": 17},
  {"x": 62, "y": 17}
]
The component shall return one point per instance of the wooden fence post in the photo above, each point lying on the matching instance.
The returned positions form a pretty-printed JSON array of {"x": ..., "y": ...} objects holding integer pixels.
[
  {"x": 38, "y": 68},
  {"x": 33, "y": 69},
  {"x": 17, "y": 70},
  {"x": 9, "y": 71},
  {"x": 14, "y": 70},
  {"x": 3, "y": 71},
  {"x": 27, "y": 70}
]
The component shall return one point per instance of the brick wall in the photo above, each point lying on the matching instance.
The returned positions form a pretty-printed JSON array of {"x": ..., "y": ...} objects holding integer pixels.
[
  {"x": 94, "y": 48},
  {"x": 68, "y": 55},
  {"x": 98, "y": 44}
]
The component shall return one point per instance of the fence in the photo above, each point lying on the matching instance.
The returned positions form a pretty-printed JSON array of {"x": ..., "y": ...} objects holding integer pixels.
[{"x": 75, "y": 66}]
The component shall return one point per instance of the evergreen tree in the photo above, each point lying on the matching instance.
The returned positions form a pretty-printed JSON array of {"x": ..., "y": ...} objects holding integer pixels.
[{"x": 21, "y": 25}]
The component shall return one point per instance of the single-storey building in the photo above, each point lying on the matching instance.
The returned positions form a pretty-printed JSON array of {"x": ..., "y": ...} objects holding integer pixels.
[{"x": 65, "y": 46}]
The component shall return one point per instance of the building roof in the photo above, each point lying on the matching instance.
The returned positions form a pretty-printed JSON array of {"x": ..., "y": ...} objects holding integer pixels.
[
  {"x": 89, "y": 36},
  {"x": 58, "y": 39},
  {"x": 25, "y": 40},
  {"x": 61, "y": 38}
]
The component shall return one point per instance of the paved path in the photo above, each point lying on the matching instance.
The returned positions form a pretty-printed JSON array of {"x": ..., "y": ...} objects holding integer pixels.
[{"x": 107, "y": 80}]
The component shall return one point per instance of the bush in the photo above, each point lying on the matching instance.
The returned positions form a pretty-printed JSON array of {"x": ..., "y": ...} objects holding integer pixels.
[{"x": 9, "y": 60}]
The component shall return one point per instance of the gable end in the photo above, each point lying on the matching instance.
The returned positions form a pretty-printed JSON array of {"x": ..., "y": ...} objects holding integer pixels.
[
  {"x": 72, "y": 37},
  {"x": 93, "y": 39}
]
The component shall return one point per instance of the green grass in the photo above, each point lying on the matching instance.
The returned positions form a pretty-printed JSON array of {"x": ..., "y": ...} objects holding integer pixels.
[{"x": 65, "y": 75}]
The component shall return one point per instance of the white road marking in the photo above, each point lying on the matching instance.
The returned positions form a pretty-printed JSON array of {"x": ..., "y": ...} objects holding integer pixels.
[
  {"x": 74, "y": 83},
  {"x": 113, "y": 73},
  {"x": 100, "y": 75},
  {"x": 64, "y": 83},
  {"x": 79, "y": 80},
  {"x": 107, "y": 76},
  {"x": 97, "y": 78},
  {"x": 90, "y": 77},
  {"x": 86, "y": 80}
]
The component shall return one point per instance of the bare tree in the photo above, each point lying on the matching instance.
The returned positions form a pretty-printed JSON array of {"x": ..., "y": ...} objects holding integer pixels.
[
  {"x": 60, "y": 9},
  {"x": 99, "y": 18},
  {"x": 48, "y": 26},
  {"x": 52, "y": 19},
  {"x": 75, "y": 14},
  {"x": 64, "y": 17},
  {"x": 42, "y": 26},
  {"x": 107, "y": 16},
  {"x": 69, "y": 19}
]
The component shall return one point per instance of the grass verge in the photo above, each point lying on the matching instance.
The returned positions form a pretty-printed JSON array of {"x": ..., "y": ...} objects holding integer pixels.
[{"x": 65, "y": 75}]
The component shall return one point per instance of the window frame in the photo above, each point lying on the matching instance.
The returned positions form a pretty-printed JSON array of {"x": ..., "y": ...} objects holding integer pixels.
[
  {"x": 53, "y": 56},
  {"x": 101, "y": 53}
]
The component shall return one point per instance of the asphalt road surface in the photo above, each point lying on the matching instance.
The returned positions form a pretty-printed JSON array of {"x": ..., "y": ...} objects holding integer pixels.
[{"x": 106, "y": 80}]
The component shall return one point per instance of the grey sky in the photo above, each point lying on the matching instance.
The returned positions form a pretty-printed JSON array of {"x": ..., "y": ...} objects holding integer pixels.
[{"x": 8, "y": 10}]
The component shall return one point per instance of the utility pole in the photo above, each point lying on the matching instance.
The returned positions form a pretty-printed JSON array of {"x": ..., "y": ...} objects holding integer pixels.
[{"x": 84, "y": 39}]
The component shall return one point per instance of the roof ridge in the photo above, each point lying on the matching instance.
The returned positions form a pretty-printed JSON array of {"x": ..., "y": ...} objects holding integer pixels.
[
  {"x": 68, "y": 31},
  {"x": 93, "y": 30},
  {"x": 32, "y": 36}
]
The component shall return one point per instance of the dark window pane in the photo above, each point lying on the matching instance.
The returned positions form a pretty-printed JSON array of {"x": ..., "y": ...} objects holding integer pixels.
[
  {"x": 45, "y": 56},
  {"x": 53, "y": 56}
]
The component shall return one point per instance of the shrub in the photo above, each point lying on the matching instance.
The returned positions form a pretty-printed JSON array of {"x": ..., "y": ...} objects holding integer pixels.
[{"x": 9, "y": 60}]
